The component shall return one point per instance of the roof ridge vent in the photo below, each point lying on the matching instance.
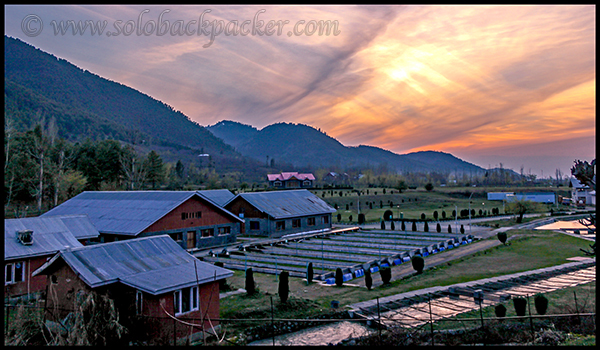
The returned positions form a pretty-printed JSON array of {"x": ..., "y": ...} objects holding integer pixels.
[{"x": 25, "y": 237}]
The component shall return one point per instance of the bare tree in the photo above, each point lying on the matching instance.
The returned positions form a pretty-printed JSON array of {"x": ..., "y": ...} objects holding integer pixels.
[{"x": 133, "y": 168}]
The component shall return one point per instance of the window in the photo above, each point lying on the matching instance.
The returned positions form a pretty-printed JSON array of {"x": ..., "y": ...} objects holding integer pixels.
[
  {"x": 177, "y": 236},
  {"x": 14, "y": 272},
  {"x": 198, "y": 214},
  {"x": 295, "y": 222},
  {"x": 208, "y": 232},
  {"x": 279, "y": 225},
  {"x": 325, "y": 219},
  {"x": 254, "y": 225},
  {"x": 224, "y": 230},
  {"x": 138, "y": 302},
  {"x": 277, "y": 183},
  {"x": 311, "y": 221},
  {"x": 186, "y": 300}
]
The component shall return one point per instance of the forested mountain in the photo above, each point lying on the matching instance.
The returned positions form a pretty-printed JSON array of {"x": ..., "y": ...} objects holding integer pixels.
[
  {"x": 304, "y": 146},
  {"x": 39, "y": 86}
]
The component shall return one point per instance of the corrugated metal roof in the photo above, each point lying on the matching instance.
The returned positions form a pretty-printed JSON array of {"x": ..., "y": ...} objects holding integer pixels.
[
  {"x": 126, "y": 212},
  {"x": 155, "y": 265},
  {"x": 220, "y": 197},
  {"x": 289, "y": 175},
  {"x": 287, "y": 204},
  {"x": 50, "y": 234}
]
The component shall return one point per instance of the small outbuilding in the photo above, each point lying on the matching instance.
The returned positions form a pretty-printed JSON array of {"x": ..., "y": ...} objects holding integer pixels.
[{"x": 279, "y": 213}]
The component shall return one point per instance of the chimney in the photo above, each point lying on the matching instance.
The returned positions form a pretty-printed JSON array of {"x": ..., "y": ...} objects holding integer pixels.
[{"x": 25, "y": 237}]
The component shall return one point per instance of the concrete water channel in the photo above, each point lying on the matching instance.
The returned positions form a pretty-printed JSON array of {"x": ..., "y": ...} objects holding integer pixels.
[{"x": 351, "y": 249}]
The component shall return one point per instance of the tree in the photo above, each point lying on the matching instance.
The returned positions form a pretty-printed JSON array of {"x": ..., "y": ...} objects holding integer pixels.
[
  {"x": 37, "y": 150},
  {"x": 426, "y": 227},
  {"x": 586, "y": 174},
  {"x": 284, "y": 286},
  {"x": 462, "y": 228},
  {"x": 429, "y": 187},
  {"x": 155, "y": 168},
  {"x": 418, "y": 263},
  {"x": 392, "y": 226},
  {"x": 250, "y": 286},
  {"x": 438, "y": 228},
  {"x": 401, "y": 186},
  {"x": 500, "y": 310},
  {"x": 435, "y": 214},
  {"x": 361, "y": 218},
  {"x": 133, "y": 167},
  {"x": 414, "y": 226},
  {"x": 388, "y": 215},
  {"x": 403, "y": 226},
  {"x": 520, "y": 207},
  {"x": 449, "y": 228},
  {"x": 382, "y": 225}
]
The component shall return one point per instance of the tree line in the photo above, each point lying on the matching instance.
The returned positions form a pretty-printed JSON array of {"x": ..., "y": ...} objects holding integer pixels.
[{"x": 42, "y": 170}]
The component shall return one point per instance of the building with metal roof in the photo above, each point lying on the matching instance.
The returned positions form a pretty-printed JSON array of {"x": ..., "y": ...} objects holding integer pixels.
[
  {"x": 29, "y": 242},
  {"x": 154, "y": 274},
  {"x": 291, "y": 180},
  {"x": 220, "y": 197},
  {"x": 278, "y": 213},
  {"x": 191, "y": 218}
]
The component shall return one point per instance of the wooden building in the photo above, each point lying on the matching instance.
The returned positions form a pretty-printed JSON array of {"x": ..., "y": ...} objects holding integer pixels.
[
  {"x": 30, "y": 242},
  {"x": 279, "y": 213},
  {"x": 149, "y": 278},
  {"x": 290, "y": 180},
  {"x": 192, "y": 219}
]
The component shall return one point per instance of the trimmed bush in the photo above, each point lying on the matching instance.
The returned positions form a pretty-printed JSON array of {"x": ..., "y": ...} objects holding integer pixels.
[
  {"x": 541, "y": 304},
  {"x": 438, "y": 228},
  {"x": 392, "y": 226},
  {"x": 250, "y": 286},
  {"x": 502, "y": 237},
  {"x": 418, "y": 263},
  {"x": 414, "y": 226},
  {"x": 449, "y": 228},
  {"x": 309, "y": 273},
  {"x": 462, "y": 228},
  {"x": 339, "y": 277},
  {"x": 520, "y": 306},
  {"x": 403, "y": 226},
  {"x": 382, "y": 225},
  {"x": 368, "y": 279},
  {"x": 426, "y": 227},
  {"x": 284, "y": 286},
  {"x": 361, "y": 218},
  {"x": 386, "y": 274},
  {"x": 500, "y": 310},
  {"x": 388, "y": 215}
]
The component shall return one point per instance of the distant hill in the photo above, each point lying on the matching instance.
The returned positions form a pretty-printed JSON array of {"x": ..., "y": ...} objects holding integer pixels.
[
  {"x": 39, "y": 85},
  {"x": 304, "y": 146}
]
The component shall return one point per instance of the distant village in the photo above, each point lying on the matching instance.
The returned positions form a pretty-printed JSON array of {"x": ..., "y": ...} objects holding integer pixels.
[{"x": 138, "y": 246}]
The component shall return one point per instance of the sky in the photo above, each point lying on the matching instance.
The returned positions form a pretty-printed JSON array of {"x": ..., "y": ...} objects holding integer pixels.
[{"x": 510, "y": 86}]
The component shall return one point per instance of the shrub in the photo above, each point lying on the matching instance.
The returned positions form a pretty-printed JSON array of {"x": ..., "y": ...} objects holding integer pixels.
[
  {"x": 339, "y": 277},
  {"x": 249, "y": 283},
  {"x": 350, "y": 218},
  {"x": 462, "y": 228},
  {"x": 361, "y": 218},
  {"x": 339, "y": 217},
  {"x": 541, "y": 304},
  {"x": 443, "y": 214},
  {"x": 520, "y": 306},
  {"x": 368, "y": 279},
  {"x": 388, "y": 215},
  {"x": 309, "y": 272},
  {"x": 386, "y": 274},
  {"x": 502, "y": 237},
  {"x": 500, "y": 310},
  {"x": 435, "y": 214},
  {"x": 438, "y": 227},
  {"x": 414, "y": 226},
  {"x": 426, "y": 227},
  {"x": 423, "y": 216},
  {"x": 284, "y": 286},
  {"x": 429, "y": 187},
  {"x": 418, "y": 263},
  {"x": 449, "y": 228}
]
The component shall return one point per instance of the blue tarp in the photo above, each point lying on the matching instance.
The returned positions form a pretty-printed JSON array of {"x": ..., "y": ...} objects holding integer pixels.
[
  {"x": 398, "y": 261},
  {"x": 359, "y": 273}
]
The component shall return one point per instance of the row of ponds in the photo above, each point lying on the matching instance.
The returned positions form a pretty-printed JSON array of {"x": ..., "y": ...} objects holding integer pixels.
[{"x": 351, "y": 250}]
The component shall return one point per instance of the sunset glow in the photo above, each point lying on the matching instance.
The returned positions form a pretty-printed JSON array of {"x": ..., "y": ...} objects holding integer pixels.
[{"x": 474, "y": 81}]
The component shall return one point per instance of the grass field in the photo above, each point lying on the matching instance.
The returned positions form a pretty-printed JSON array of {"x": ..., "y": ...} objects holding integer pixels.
[{"x": 410, "y": 204}]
